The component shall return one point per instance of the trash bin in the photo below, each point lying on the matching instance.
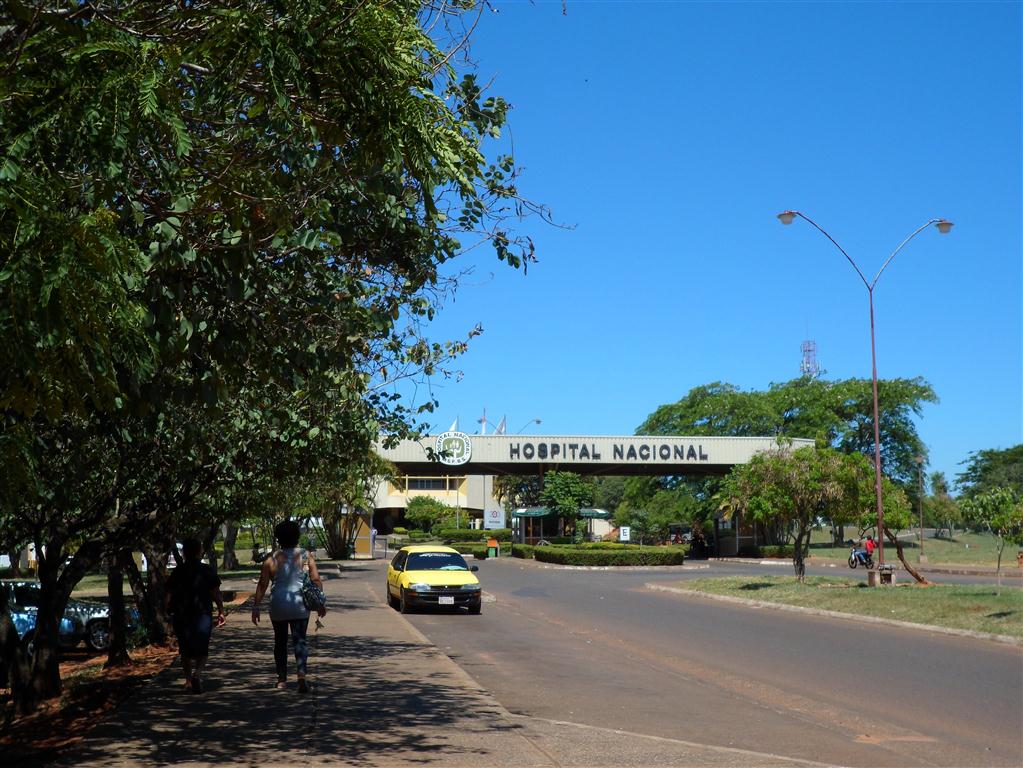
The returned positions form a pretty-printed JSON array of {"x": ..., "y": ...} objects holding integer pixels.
[{"x": 493, "y": 548}]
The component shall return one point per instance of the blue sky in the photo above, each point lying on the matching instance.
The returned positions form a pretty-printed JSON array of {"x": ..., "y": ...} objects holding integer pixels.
[{"x": 669, "y": 135}]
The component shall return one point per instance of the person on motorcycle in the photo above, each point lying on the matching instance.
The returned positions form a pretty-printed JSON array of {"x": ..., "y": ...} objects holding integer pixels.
[{"x": 870, "y": 546}]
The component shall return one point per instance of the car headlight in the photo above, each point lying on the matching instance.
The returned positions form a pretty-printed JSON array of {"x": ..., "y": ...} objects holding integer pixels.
[
  {"x": 420, "y": 587},
  {"x": 470, "y": 587}
]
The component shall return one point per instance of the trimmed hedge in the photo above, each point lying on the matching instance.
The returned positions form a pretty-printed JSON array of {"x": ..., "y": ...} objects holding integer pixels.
[
  {"x": 477, "y": 551},
  {"x": 602, "y": 557},
  {"x": 525, "y": 551},
  {"x": 781, "y": 551},
  {"x": 473, "y": 534}
]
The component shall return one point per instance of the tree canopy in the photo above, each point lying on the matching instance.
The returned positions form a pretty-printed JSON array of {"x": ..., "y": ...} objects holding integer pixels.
[
  {"x": 992, "y": 468},
  {"x": 221, "y": 235}
]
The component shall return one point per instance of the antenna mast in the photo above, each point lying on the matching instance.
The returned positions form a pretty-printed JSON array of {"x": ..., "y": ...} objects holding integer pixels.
[{"x": 809, "y": 367}]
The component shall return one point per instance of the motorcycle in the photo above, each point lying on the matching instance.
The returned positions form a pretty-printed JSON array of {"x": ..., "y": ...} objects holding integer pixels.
[{"x": 860, "y": 557}]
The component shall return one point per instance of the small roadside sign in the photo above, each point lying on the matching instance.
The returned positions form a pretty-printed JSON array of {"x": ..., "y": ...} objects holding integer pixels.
[
  {"x": 625, "y": 533},
  {"x": 493, "y": 518}
]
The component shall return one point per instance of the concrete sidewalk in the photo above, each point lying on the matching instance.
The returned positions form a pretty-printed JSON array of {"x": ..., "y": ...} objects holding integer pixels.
[{"x": 382, "y": 695}]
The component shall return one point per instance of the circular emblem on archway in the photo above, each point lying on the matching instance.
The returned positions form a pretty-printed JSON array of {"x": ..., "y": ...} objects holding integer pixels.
[{"x": 453, "y": 448}]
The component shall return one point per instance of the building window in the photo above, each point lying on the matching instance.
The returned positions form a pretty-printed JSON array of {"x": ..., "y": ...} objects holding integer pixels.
[
  {"x": 433, "y": 483},
  {"x": 427, "y": 484}
]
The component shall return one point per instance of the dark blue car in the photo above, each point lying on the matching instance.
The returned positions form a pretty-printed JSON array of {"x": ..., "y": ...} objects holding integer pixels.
[{"x": 82, "y": 621}]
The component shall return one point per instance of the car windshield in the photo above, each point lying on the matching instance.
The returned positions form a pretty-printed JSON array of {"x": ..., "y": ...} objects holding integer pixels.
[
  {"x": 436, "y": 561},
  {"x": 26, "y": 594}
]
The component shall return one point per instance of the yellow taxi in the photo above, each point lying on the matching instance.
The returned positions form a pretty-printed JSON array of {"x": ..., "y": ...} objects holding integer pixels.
[{"x": 428, "y": 575}]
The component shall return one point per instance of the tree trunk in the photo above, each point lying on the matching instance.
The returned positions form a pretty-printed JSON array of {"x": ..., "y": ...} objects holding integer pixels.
[
  {"x": 230, "y": 562},
  {"x": 998, "y": 569},
  {"x": 838, "y": 535},
  {"x": 902, "y": 557},
  {"x": 140, "y": 593},
  {"x": 799, "y": 554},
  {"x": 117, "y": 652},
  {"x": 149, "y": 594},
  {"x": 15, "y": 665},
  {"x": 14, "y": 556},
  {"x": 208, "y": 542}
]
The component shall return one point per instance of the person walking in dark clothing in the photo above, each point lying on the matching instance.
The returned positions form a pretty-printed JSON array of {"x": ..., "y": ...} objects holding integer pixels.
[{"x": 191, "y": 591}]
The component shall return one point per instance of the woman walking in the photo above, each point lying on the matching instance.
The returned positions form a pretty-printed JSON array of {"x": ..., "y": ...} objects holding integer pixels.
[
  {"x": 191, "y": 591},
  {"x": 288, "y": 612}
]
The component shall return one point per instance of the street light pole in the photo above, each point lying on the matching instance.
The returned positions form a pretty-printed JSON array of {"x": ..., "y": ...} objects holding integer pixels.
[
  {"x": 531, "y": 421},
  {"x": 944, "y": 227}
]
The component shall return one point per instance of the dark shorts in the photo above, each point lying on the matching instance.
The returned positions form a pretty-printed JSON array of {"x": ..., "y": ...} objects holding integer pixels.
[{"x": 193, "y": 635}]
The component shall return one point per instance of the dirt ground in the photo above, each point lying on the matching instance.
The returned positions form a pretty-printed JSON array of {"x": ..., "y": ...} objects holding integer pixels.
[{"x": 89, "y": 693}]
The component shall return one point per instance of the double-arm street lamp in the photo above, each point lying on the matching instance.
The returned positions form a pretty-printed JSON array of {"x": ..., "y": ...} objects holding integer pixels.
[{"x": 943, "y": 226}]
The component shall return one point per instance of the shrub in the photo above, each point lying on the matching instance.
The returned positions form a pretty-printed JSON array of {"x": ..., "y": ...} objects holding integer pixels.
[
  {"x": 477, "y": 551},
  {"x": 400, "y": 531},
  {"x": 601, "y": 557},
  {"x": 525, "y": 551},
  {"x": 782, "y": 551},
  {"x": 420, "y": 536},
  {"x": 473, "y": 534}
]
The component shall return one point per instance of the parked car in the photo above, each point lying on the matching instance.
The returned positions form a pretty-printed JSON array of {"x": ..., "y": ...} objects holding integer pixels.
[
  {"x": 87, "y": 621},
  {"x": 426, "y": 575},
  {"x": 24, "y": 619}
]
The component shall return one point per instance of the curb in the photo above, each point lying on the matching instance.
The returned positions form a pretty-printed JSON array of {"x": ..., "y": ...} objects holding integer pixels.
[
  {"x": 949, "y": 570},
  {"x": 1006, "y": 639}
]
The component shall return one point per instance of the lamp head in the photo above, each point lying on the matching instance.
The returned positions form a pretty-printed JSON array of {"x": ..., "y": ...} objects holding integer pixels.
[
  {"x": 944, "y": 226},
  {"x": 786, "y": 217}
]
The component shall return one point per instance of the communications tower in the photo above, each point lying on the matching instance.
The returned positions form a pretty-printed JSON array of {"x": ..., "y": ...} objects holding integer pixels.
[{"x": 809, "y": 367}]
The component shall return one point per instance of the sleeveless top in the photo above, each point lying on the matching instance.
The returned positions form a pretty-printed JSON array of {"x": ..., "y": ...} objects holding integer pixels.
[{"x": 285, "y": 596}]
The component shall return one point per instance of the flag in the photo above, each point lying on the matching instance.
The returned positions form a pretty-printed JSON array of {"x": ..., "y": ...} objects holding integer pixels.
[
  {"x": 501, "y": 426},
  {"x": 454, "y": 425}
]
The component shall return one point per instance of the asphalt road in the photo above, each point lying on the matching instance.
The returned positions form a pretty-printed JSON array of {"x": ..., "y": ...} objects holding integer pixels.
[{"x": 599, "y": 648}]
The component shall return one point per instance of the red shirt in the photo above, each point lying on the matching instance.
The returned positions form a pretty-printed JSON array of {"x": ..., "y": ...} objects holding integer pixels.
[{"x": 870, "y": 546}]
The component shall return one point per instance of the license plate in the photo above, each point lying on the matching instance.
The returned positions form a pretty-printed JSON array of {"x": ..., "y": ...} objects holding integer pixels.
[{"x": 446, "y": 600}]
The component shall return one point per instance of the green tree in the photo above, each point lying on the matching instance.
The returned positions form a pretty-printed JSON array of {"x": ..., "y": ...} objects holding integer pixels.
[
  {"x": 834, "y": 413},
  {"x": 794, "y": 488},
  {"x": 221, "y": 231},
  {"x": 940, "y": 509},
  {"x": 425, "y": 512},
  {"x": 992, "y": 468},
  {"x": 1000, "y": 511},
  {"x": 515, "y": 491},
  {"x": 652, "y": 520},
  {"x": 565, "y": 493}
]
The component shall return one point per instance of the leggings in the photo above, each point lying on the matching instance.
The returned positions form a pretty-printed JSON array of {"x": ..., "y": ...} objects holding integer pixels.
[{"x": 298, "y": 629}]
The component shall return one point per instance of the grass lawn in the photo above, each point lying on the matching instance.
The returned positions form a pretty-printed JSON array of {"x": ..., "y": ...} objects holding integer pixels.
[
  {"x": 982, "y": 608},
  {"x": 95, "y": 584},
  {"x": 964, "y": 549}
]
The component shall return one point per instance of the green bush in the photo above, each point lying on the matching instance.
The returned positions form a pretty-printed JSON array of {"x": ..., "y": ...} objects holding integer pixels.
[
  {"x": 400, "y": 531},
  {"x": 600, "y": 557},
  {"x": 525, "y": 551},
  {"x": 783, "y": 551},
  {"x": 473, "y": 534},
  {"x": 420, "y": 536},
  {"x": 476, "y": 550}
]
